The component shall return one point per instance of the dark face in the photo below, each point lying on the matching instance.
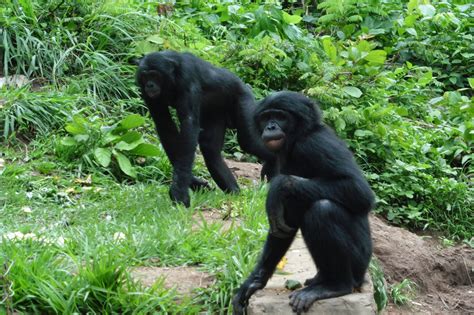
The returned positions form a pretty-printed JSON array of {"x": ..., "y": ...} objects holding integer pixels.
[
  {"x": 274, "y": 125},
  {"x": 149, "y": 81}
]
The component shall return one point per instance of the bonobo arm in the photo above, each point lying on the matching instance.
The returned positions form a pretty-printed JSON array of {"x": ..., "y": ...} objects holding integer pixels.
[
  {"x": 168, "y": 136},
  {"x": 185, "y": 146},
  {"x": 354, "y": 194}
]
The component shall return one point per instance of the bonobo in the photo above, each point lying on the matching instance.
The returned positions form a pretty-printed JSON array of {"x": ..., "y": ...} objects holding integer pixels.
[
  {"x": 321, "y": 191},
  {"x": 208, "y": 100}
]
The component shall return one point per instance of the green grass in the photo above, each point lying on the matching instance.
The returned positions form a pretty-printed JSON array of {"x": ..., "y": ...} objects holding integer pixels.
[{"x": 65, "y": 256}]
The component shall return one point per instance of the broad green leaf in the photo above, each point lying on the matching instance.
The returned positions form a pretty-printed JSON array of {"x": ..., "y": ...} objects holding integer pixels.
[
  {"x": 110, "y": 137},
  {"x": 291, "y": 19},
  {"x": 155, "y": 39},
  {"x": 146, "y": 149},
  {"x": 75, "y": 129},
  {"x": 425, "y": 79},
  {"x": 352, "y": 91},
  {"x": 125, "y": 165},
  {"x": 330, "y": 49},
  {"x": 412, "y": 31},
  {"x": 132, "y": 121},
  {"x": 363, "y": 133},
  {"x": 471, "y": 82},
  {"x": 131, "y": 136},
  {"x": 376, "y": 57},
  {"x": 81, "y": 138},
  {"x": 68, "y": 141},
  {"x": 124, "y": 146},
  {"x": 410, "y": 20},
  {"x": 103, "y": 155},
  {"x": 427, "y": 10}
]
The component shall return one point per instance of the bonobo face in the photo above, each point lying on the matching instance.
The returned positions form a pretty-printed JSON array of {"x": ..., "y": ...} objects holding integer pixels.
[
  {"x": 274, "y": 125},
  {"x": 149, "y": 81}
]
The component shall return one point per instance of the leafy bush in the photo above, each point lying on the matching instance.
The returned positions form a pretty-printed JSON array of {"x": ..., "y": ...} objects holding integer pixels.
[{"x": 109, "y": 147}]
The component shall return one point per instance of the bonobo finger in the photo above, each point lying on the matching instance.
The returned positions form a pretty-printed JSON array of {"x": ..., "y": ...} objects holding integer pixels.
[
  {"x": 238, "y": 309},
  {"x": 280, "y": 229},
  {"x": 179, "y": 196},
  {"x": 251, "y": 289},
  {"x": 199, "y": 183}
]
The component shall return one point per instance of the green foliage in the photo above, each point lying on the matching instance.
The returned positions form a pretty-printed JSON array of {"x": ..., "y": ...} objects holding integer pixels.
[
  {"x": 403, "y": 292},
  {"x": 394, "y": 79},
  {"x": 380, "y": 288},
  {"x": 110, "y": 147}
]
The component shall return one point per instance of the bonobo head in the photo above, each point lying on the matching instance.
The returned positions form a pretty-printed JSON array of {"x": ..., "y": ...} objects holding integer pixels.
[
  {"x": 156, "y": 71},
  {"x": 283, "y": 117}
]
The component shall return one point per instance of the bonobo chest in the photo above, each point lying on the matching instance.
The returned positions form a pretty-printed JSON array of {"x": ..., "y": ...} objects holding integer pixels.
[{"x": 300, "y": 165}]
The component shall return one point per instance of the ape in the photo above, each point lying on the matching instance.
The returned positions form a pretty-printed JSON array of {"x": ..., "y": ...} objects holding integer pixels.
[
  {"x": 207, "y": 100},
  {"x": 320, "y": 190}
]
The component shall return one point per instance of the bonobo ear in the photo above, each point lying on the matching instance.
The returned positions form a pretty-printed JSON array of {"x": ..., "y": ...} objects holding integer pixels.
[{"x": 135, "y": 60}]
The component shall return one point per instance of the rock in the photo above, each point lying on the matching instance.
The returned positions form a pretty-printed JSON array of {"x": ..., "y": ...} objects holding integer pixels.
[
  {"x": 274, "y": 299},
  {"x": 16, "y": 80}
]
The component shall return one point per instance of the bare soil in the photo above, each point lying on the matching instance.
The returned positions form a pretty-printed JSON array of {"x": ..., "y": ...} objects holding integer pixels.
[{"x": 183, "y": 279}]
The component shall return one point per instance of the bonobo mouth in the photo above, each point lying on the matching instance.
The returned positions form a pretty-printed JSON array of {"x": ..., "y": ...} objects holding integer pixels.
[{"x": 275, "y": 144}]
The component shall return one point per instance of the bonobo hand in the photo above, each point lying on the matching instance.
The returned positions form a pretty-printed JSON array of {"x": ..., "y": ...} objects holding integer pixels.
[
  {"x": 279, "y": 187},
  {"x": 253, "y": 283},
  {"x": 278, "y": 227},
  {"x": 178, "y": 194},
  {"x": 269, "y": 170},
  {"x": 198, "y": 183}
]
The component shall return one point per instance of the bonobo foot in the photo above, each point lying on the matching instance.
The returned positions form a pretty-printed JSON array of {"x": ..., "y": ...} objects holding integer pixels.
[
  {"x": 255, "y": 282},
  {"x": 301, "y": 300}
]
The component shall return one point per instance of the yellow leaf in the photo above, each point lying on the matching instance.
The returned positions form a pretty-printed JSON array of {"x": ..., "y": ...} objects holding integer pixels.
[{"x": 282, "y": 263}]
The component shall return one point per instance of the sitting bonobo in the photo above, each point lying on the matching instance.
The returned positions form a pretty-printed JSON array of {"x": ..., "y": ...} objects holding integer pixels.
[{"x": 320, "y": 190}]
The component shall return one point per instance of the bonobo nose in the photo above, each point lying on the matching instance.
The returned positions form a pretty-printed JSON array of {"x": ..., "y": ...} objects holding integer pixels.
[
  {"x": 150, "y": 85},
  {"x": 271, "y": 127}
]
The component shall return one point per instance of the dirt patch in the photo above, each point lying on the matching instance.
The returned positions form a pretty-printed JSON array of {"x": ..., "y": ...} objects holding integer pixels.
[
  {"x": 444, "y": 275},
  {"x": 183, "y": 279},
  {"x": 249, "y": 171}
]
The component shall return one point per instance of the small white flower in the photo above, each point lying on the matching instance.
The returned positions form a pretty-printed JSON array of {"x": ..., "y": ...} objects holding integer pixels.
[
  {"x": 26, "y": 209},
  {"x": 14, "y": 236},
  {"x": 31, "y": 236},
  {"x": 108, "y": 217},
  {"x": 60, "y": 241},
  {"x": 119, "y": 236}
]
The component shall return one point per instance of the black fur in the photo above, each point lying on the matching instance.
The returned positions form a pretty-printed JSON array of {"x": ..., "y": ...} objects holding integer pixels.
[
  {"x": 207, "y": 100},
  {"x": 321, "y": 191}
]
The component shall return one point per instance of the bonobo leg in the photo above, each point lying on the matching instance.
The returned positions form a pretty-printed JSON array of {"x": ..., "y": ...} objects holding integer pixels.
[
  {"x": 340, "y": 245},
  {"x": 273, "y": 252},
  {"x": 211, "y": 141}
]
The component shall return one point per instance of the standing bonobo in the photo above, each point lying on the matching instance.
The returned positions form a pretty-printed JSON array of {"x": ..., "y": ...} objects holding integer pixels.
[
  {"x": 322, "y": 191},
  {"x": 207, "y": 100}
]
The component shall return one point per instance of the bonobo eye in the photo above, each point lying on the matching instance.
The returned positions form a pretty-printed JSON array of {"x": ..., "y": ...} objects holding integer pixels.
[{"x": 150, "y": 84}]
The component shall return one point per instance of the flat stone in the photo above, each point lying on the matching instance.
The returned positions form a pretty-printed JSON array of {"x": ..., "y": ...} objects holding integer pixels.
[{"x": 274, "y": 298}]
